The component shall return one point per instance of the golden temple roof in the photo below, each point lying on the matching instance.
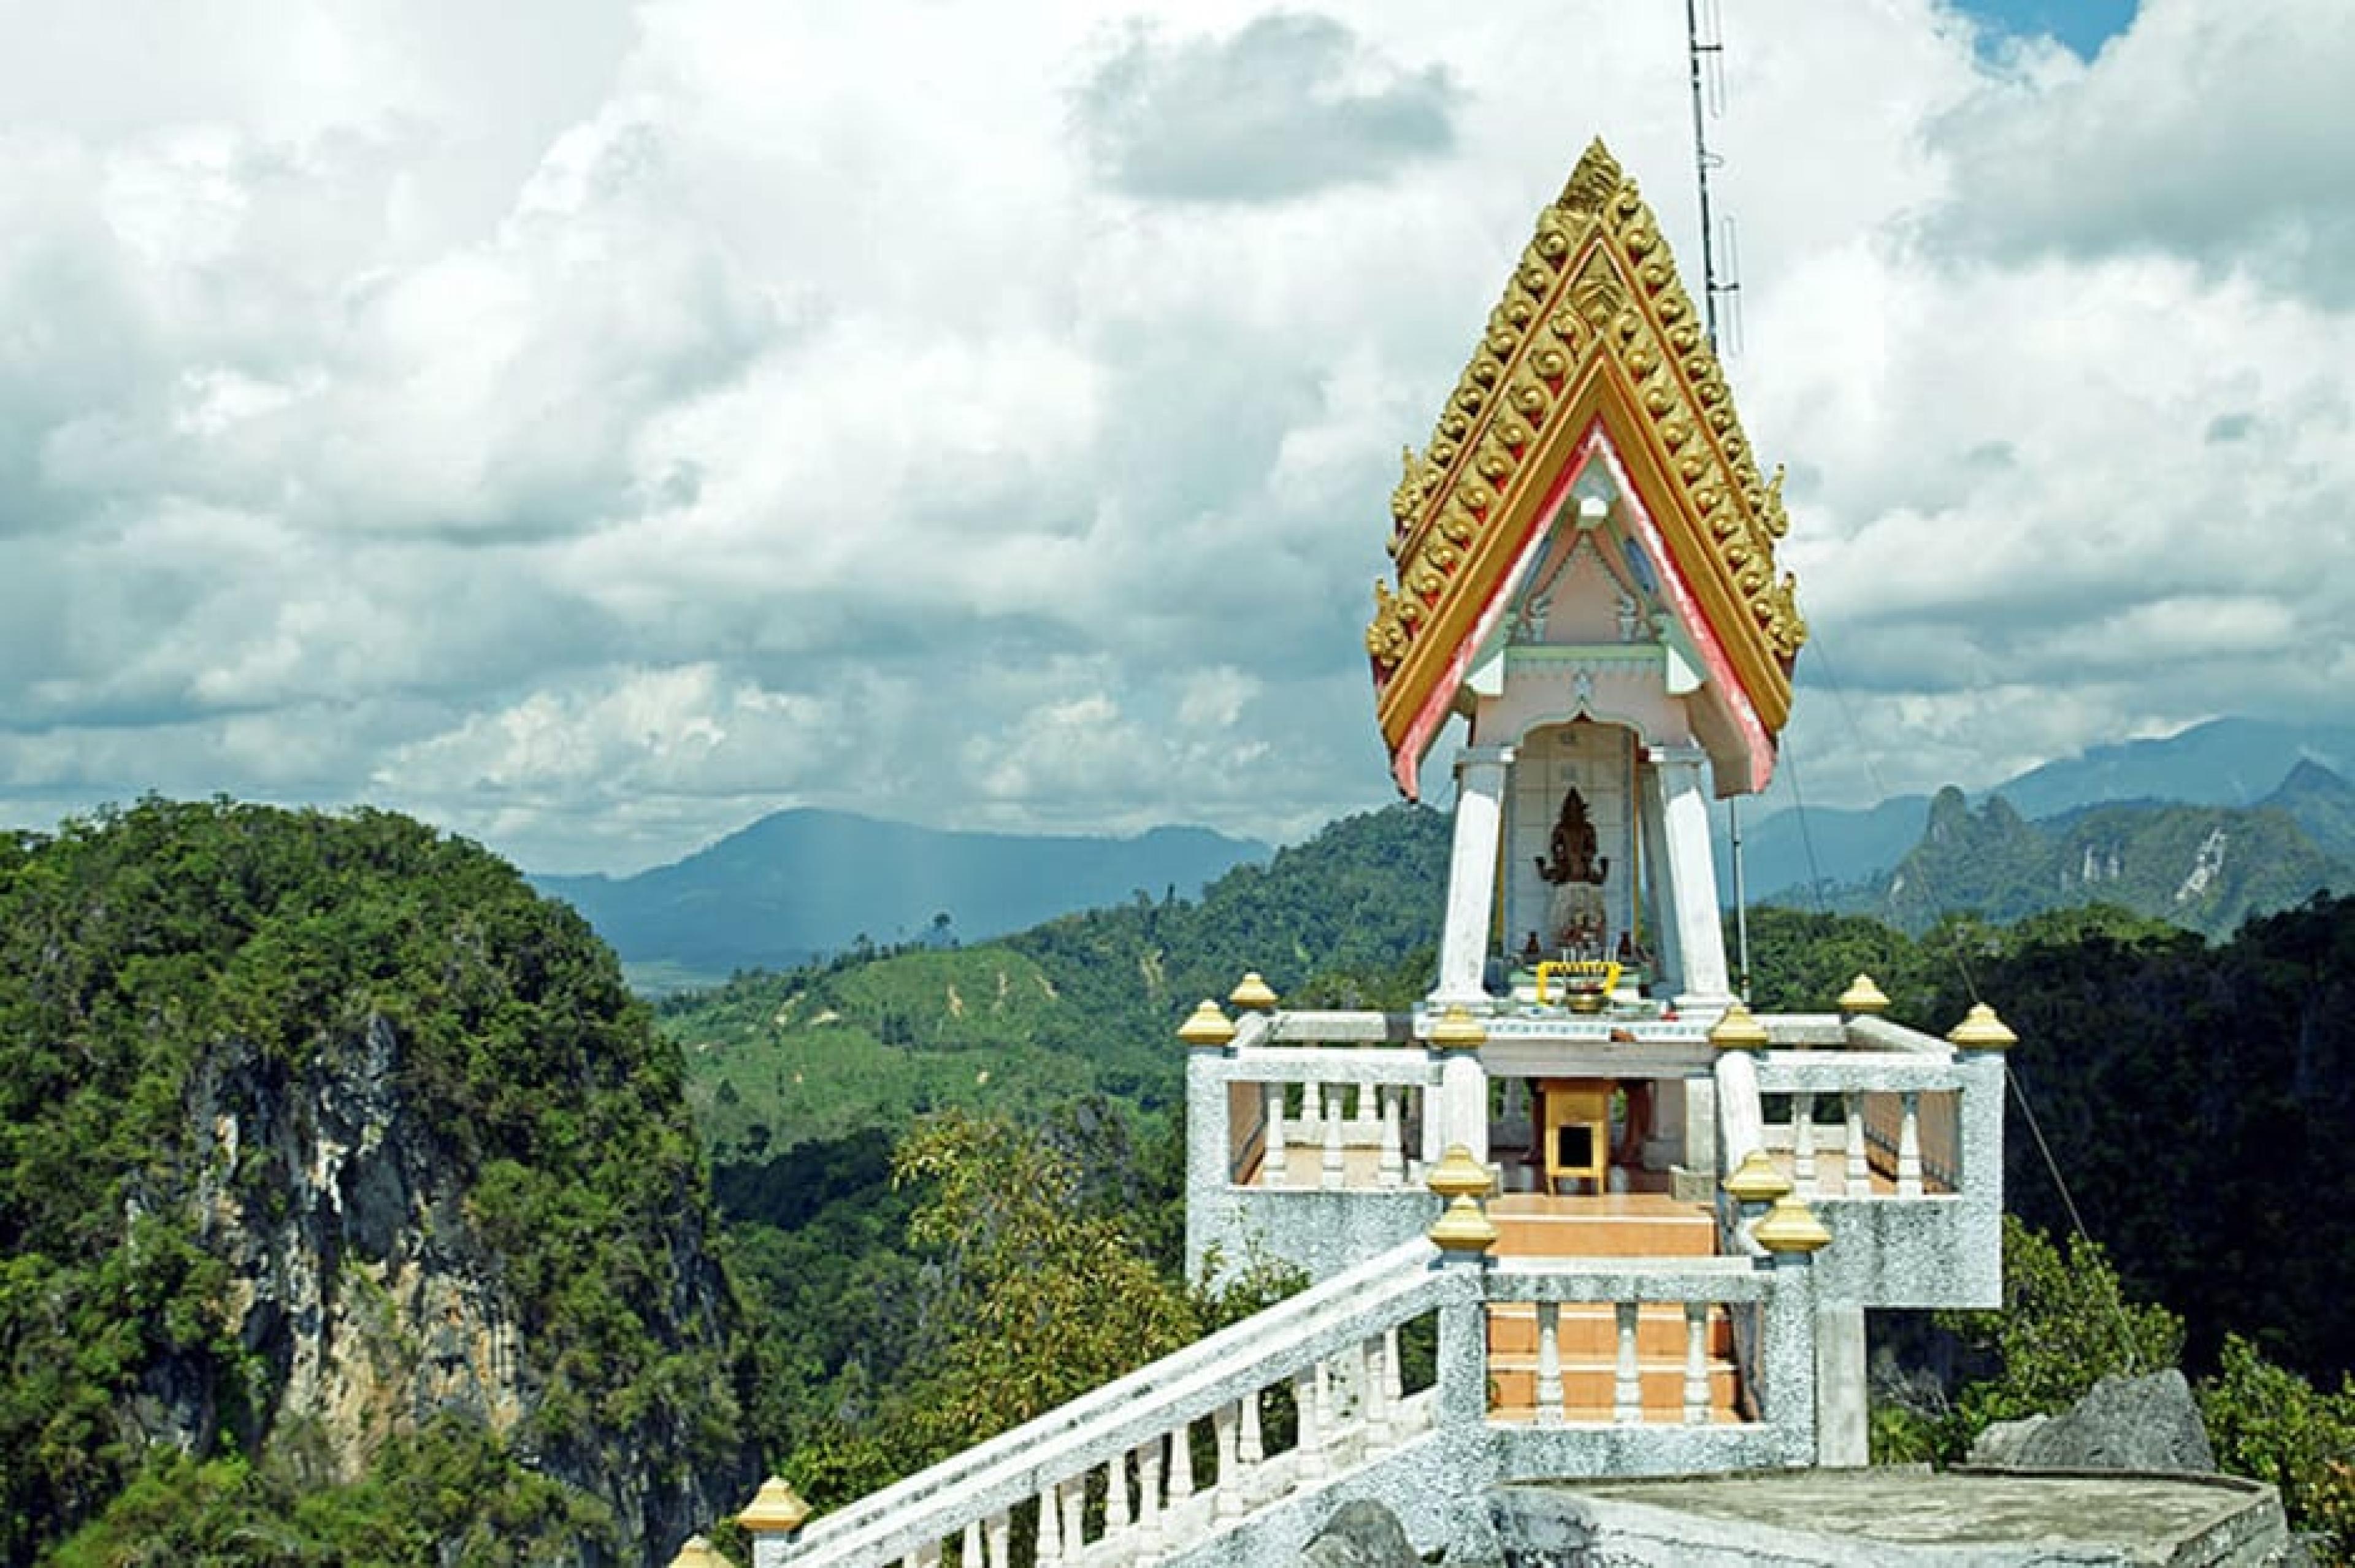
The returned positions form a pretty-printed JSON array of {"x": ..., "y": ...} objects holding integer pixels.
[{"x": 1594, "y": 330}]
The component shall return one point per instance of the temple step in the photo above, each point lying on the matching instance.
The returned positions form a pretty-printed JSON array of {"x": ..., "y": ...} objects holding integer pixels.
[{"x": 1617, "y": 1225}]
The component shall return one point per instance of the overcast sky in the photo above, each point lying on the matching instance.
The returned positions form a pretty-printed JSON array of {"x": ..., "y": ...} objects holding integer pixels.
[{"x": 592, "y": 425}]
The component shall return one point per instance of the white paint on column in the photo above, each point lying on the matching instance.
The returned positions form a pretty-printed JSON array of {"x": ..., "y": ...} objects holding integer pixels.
[
  {"x": 1472, "y": 875},
  {"x": 1683, "y": 808}
]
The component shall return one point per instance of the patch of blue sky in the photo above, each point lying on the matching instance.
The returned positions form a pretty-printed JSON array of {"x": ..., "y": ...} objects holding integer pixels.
[{"x": 2083, "y": 25}]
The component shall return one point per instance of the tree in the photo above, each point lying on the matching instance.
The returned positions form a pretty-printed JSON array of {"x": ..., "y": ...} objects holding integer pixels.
[{"x": 1048, "y": 1300}]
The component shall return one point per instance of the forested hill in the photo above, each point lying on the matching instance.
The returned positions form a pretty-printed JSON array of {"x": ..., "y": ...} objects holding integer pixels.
[
  {"x": 2196, "y": 1098},
  {"x": 1085, "y": 1002},
  {"x": 351, "y": 1211},
  {"x": 2205, "y": 868}
]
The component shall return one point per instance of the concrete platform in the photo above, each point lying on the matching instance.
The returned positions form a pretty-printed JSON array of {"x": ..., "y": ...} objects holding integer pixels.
[{"x": 1892, "y": 1516}]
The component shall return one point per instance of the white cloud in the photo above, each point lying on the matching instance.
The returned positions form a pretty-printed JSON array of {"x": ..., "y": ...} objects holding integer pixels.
[{"x": 590, "y": 425}]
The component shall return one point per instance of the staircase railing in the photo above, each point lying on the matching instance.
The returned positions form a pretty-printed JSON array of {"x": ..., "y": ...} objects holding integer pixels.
[
  {"x": 1112, "y": 1475},
  {"x": 1183, "y": 1460}
]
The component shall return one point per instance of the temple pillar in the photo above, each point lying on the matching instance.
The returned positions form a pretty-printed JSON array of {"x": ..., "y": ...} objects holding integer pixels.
[
  {"x": 1472, "y": 877},
  {"x": 1681, "y": 805}
]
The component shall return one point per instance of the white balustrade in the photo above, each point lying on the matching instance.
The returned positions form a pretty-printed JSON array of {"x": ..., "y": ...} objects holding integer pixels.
[
  {"x": 1697, "y": 1398},
  {"x": 1272, "y": 1164},
  {"x": 1390, "y": 1165},
  {"x": 1627, "y": 1385},
  {"x": 1549, "y": 1363},
  {"x": 1857, "y": 1177},
  {"x": 1333, "y": 1165},
  {"x": 1803, "y": 1144},
  {"x": 1909, "y": 1144}
]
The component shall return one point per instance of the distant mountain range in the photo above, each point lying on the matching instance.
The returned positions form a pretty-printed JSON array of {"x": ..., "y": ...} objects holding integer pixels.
[
  {"x": 801, "y": 883},
  {"x": 2204, "y": 828},
  {"x": 2225, "y": 762},
  {"x": 2265, "y": 809}
]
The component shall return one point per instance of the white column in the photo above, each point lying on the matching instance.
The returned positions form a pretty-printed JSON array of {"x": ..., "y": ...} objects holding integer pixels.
[
  {"x": 1627, "y": 1386},
  {"x": 1680, "y": 801},
  {"x": 1463, "y": 1089},
  {"x": 1116, "y": 1505},
  {"x": 1842, "y": 1405},
  {"x": 1697, "y": 1398},
  {"x": 1181, "y": 1464},
  {"x": 1274, "y": 1167},
  {"x": 1803, "y": 1143},
  {"x": 1074, "y": 1495},
  {"x": 1472, "y": 875},
  {"x": 1051, "y": 1524},
  {"x": 1855, "y": 1175},
  {"x": 1909, "y": 1144},
  {"x": 1377, "y": 1399},
  {"x": 1223, "y": 1423},
  {"x": 1392, "y": 1165},
  {"x": 1148, "y": 1498},
  {"x": 1331, "y": 1167},
  {"x": 1307, "y": 1404},
  {"x": 1549, "y": 1364}
]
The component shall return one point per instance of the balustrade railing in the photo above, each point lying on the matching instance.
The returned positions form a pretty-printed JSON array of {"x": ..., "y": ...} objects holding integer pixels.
[
  {"x": 1699, "y": 1311},
  {"x": 1865, "y": 1124},
  {"x": 1329, "y": 1118},
  {"x": 1165, "y": 1457},
  {"x": 1316, "y": 1388}
]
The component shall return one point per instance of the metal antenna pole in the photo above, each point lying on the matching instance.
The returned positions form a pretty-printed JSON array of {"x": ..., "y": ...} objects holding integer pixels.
[
  {"x": 1703, "y": 161},
  {"x": 1696, "y": 54}
]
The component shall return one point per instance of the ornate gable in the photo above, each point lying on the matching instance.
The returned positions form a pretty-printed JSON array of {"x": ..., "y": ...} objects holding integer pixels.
[{"x": 1594, "y": 334}]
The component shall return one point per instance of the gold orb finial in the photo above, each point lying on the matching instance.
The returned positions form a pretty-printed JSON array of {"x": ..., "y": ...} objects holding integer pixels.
[
  {"x": 1465, "y": 1228},
  {"x": 698, "y": 1554},
  {"x": 1791, "y": 1227},
  {"x": 1253, "y": 994},
  {"x": 775, "y": 1507},
  {"x": 1208, "y": 1026},
  {"x": 1738, "y": 1030},
  {"x": 1982, "y": 1030},
  {"x": 1457, "y": 1030},
  {"x": 1862, "y": 997},
  {"x": 1756, "y": 1179}
]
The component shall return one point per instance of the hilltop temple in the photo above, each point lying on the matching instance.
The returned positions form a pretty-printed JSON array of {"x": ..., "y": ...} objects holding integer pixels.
[{"x": 1580, "y": 1215}]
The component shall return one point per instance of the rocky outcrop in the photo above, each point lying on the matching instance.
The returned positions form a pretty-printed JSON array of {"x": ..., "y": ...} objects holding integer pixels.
[
  {"x": 1360, "y": 1534},
  {"x": 367, "y": 1300},
  {"x": 2145, "y": 1424}
]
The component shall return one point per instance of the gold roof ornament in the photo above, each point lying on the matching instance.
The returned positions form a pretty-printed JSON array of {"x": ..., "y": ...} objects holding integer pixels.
[
  {"x": 1791, "y": 1227},
  {"x": 1458, "y": 1175},
  {"x": 1738, "y": 1030},
  {"x": 699, "y": 1553},
  {"x": 1457, "y": 1030},
  {"x": 775, "y": 1507},
  {"x": 1595, "y": 328},
  {"x": 1465, "y": 1228},
  {"x": 1207, "y": 1027},
  {"x": 1253, "y": 994},
  {"x": 1756, "y": 1179},
  {"x": 1862, "y": 997},
  {"x": 1982, "y": 1030}
]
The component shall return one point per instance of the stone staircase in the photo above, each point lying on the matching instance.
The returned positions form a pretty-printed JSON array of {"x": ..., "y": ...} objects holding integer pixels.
[{"x": 1619, "y": 1226}]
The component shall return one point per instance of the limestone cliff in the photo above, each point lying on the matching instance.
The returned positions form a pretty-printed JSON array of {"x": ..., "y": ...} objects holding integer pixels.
[{"x": 324, "y": 1136}]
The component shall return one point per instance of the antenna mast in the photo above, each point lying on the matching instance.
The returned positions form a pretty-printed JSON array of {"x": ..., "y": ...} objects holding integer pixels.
[
  {"x": 1705, "y": 59},
  {"x": 1705, "y": 55}
]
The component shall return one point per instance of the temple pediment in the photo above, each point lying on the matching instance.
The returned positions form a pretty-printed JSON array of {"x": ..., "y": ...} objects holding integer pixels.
[{"x": 1595, "y": 376}]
